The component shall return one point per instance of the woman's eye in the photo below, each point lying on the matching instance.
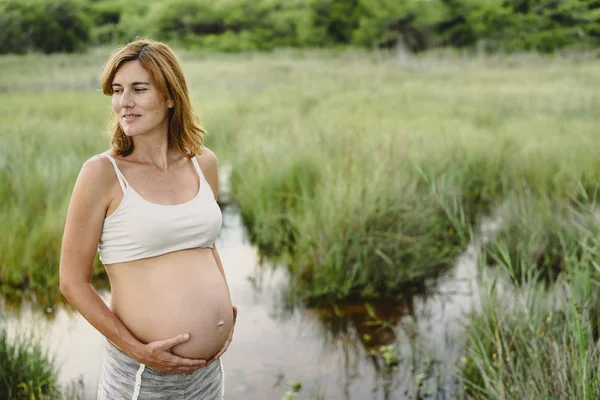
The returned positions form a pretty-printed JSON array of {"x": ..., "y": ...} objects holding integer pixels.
[{"x": 138, "y": 90}]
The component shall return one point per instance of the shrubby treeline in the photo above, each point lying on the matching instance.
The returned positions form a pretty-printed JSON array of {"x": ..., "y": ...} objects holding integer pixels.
[{"x": 240, "y": 25}]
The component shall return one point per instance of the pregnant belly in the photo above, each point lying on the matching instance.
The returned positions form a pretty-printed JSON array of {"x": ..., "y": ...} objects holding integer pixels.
[{"x": 179, "y": 295}]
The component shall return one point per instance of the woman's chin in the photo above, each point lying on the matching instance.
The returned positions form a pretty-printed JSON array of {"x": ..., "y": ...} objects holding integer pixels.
[{"x": 130, "y": 132}]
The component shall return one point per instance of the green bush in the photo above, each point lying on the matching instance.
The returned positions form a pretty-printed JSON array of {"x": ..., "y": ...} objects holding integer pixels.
[
  {"x": 107, "y": 12},
  {"x": 337, "y": 19},
  {"x": 519, "y": 25},
  {"x": 178, "y": 18},
  {"x": 237, "y": 25},
  {"x": 26, "y": 371},
  {"x": 271, "y": 24},
  {"x": 250, "y": 25},
  {"x": 383, "y": 23},
  {"x": 43, "y": 25},
  {"x": 118, "y": 21}
]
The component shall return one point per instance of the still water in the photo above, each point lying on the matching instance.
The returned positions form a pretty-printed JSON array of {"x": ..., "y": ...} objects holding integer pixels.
[{"x": 331, "y": 352}]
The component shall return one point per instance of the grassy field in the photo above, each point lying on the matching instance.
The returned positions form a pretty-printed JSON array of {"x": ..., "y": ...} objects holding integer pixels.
[{"x": 363, "y": 174}]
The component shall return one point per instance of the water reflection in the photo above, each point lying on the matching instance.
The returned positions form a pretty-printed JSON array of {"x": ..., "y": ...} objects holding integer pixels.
[
  {"x": 14, "y": 298},
  {"x": 393, "y": 350},
  {"x": 365, "y": 331},
  {"x": 336, "y": 353},
  {"x": 41, "y": 301},
  {"x": 367, "y": 324}
]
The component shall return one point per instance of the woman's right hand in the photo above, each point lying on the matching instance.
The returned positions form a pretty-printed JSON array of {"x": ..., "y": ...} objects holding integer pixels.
[{"x": 159, "y": 357}]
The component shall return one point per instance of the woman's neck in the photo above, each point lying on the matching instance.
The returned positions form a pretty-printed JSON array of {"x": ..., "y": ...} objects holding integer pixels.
[{"x": 154, "y": 150}]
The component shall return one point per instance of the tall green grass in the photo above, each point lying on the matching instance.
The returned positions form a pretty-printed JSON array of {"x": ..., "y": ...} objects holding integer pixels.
[
  {"x": 41, "y": 153},
  {"x": 377, "y": 174},
  {"x": 536, "y": 335},
  {"x": 26, "y": 370},
  {"x": 543, "y": 236},
  {"x": 356, "y": 217},
  {"x": 536, "y": 343}
]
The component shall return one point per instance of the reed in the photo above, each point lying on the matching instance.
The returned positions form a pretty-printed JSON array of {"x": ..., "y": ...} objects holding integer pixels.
[
  {"x": 536, "y": 343},
  {"x": 26, "y": 370},
  {"x": 536, "y": 333},
  {"x": 355, "y": 218},
  {"x": 541, "y": 237}
]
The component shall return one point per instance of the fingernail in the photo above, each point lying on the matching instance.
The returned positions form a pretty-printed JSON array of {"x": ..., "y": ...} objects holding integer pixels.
[{"x": 186, "y": 336}]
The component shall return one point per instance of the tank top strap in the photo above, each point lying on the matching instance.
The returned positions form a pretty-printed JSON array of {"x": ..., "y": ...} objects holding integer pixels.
[
  {"x": 122, "y": 181},
  {"x": 198, "y": 170}
]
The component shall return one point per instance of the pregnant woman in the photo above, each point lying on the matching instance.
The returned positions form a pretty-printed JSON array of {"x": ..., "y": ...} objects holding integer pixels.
[{"x": 148, "y": 206}]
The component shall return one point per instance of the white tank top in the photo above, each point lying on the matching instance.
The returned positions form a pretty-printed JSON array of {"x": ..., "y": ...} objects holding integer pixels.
[{"x": 140, "y": 229}]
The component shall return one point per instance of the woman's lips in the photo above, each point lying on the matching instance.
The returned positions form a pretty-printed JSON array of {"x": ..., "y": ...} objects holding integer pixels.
[{"x": 130, "y": 117}]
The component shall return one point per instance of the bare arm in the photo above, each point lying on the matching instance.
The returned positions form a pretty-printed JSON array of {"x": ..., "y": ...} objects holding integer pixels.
[
  {"x": 208, "y": 163},
  {"x": 90, "y": 199},
  {"x": 209, "y": 166},
  {"x": 85, "y": 216}
]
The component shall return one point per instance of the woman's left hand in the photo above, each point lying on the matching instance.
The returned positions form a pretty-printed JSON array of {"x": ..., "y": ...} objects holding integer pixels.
[{"x": 227, "y": 342}]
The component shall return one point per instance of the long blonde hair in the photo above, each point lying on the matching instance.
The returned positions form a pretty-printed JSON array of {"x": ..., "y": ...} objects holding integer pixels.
[{"x": 185, "y": 133}]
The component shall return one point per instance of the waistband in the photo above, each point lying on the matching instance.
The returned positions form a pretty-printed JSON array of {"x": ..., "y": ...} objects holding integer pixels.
[{"x": 124, "y": 378}]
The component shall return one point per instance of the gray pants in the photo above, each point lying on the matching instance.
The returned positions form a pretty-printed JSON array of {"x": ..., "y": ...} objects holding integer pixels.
[{"x": 123, "y": 378}]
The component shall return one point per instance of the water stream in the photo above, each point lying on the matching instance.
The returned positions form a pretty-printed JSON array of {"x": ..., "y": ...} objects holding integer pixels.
[{"x": 330, "y": 352}]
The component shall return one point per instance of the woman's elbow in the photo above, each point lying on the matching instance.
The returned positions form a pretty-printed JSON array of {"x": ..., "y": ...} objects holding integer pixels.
[
  {"x": 68, "y": 284},
  {"x": 65, "y": 286}
]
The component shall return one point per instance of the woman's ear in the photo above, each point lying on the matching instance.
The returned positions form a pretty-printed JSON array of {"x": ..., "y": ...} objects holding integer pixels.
[{"x": 170, "y": 103}]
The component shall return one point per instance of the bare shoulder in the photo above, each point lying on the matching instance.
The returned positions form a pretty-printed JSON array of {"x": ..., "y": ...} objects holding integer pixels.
[
  {"x": 97, "y": 178},
  {"x": 208, "y": 164},
  {"x": 98, "y": 169},
  {"x": 208, "y": 157},
  {"x": 92, "y": 194},
  {"x": 207, "y": 161}
]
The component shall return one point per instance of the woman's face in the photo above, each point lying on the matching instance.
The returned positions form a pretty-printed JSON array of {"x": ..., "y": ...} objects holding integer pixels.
[{"x": 141, "y": 107}]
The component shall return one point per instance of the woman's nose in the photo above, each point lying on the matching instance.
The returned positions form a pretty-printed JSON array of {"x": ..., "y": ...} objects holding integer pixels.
[{"x": 126, "y": 100}]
